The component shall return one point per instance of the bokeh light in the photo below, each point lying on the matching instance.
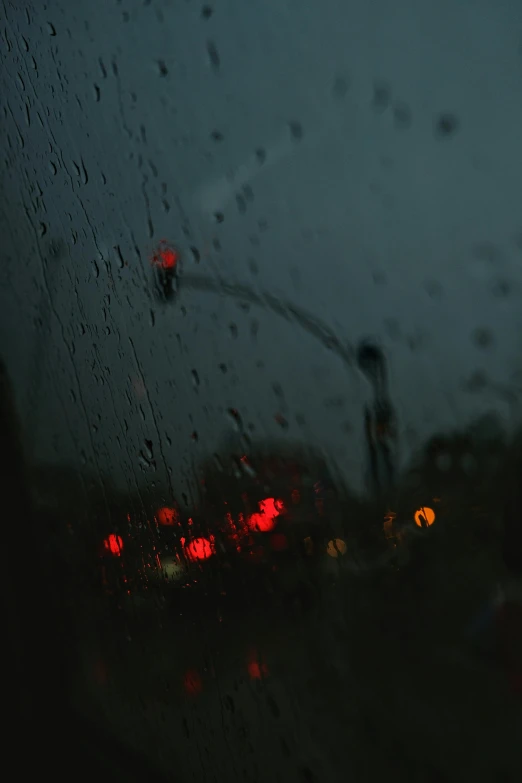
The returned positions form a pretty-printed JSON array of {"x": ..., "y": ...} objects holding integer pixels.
[
  {"x": 424, "y": 517},
  {"x": 199, "y": 549},
  {"x": 167, "y": 516},
  {"x": 336, "y": 547},
  {"x": 265, "y": 519},
  {"x": 113, "y": 544}
]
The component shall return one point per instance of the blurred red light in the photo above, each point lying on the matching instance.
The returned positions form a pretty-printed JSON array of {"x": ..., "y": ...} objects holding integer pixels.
[
  {"x": 192, "y": 682},
  {"x": 199, "y": 549},
  {"x": 256, "y": 669},
  {"x": 167, "y": 516},
  {"x": 265, "y": 519},
  {"x": 165, "y": 256},
  {"x": 113, "y": 544}
]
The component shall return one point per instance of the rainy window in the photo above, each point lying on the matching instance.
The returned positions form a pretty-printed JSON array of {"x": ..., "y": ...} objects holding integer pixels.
[{"x": 260, "y": 387}]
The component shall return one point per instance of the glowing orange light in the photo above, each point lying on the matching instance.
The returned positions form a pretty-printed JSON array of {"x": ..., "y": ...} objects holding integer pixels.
[
  {"x": 199, "y": 549},
  {"x": 265, "y": 519},
  {"x": 192, "y": 682},
  {"x": 336, "y": 547},
  {"x": 424, "y": 517},
  {"x": 167, "y": 516},
  {"x": 165, "y": 256},
  {"x": 113, "y": 544}
]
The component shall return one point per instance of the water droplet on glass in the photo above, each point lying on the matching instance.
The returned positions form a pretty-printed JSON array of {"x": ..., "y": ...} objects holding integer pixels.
[
  {"x": 235, "y": 419},
  {"x": 213, "y": 56},
  {"x": 146, "y": 456},
  {"x": 296, "y": 130},
  {"x": 121, "y": 261},
  {"x": 162, "y": 68},
  {"x": 280, "y": 419}
]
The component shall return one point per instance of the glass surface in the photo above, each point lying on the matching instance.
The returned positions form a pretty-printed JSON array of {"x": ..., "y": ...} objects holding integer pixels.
[{"x": 260, "y": 321}]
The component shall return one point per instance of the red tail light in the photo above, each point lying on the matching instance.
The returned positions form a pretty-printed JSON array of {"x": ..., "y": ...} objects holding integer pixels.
[
  {"x": 113, "y": 544},
  {"x": 265, "y": 519},
  {"x": 167, "y": 517},
  {"x": 199, "y": 549}
]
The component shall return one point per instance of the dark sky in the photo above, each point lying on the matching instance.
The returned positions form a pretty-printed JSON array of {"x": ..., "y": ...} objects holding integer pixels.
[{"x": 326, "y": 171}]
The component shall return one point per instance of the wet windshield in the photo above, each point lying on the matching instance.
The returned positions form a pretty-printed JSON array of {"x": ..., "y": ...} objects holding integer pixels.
[{"x": 260, "y": 339}]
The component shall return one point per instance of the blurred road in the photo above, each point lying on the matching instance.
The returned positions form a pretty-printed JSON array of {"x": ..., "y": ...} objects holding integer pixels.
[
  {"x": 230, "y": 695},
  {"x": 292, "y": 693}
]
